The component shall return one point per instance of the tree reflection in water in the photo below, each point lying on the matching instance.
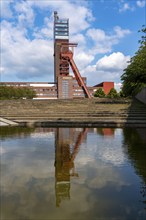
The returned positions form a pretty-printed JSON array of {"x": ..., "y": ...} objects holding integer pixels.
[
  {"x": 13, "y": 132},
  {"x": 135, "y": 144}
]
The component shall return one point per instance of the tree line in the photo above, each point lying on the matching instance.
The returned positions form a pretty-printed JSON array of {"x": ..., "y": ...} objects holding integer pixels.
[
  {"x": 134, "y": 76},
  {"x": 10, "y": 92}
]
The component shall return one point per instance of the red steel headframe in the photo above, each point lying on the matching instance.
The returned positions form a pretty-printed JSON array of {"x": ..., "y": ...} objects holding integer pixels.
[{"x": 67, "y": 57}]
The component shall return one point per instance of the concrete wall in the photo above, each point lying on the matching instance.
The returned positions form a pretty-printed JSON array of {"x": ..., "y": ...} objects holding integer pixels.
[{"x": 141, "y": 96}]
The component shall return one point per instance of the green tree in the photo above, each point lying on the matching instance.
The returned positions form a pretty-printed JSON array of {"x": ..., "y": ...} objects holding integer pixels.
[
  {"x": 113, "y": 93},
  {"x": 134, "y": 76},
  {"x": 9, "y": 92},
  {"x": 121, "y": 94},
  {"x": 6, "y": 92},
  {"x": 19, "y": 93},
  {"x": 99, "y": 93},
  {"x": 29, "y": 93}
]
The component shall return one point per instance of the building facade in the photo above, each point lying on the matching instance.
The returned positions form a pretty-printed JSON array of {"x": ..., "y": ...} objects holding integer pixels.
[
  {"x": 67, "y": 88},
  {"x": 105, "y": 86}
]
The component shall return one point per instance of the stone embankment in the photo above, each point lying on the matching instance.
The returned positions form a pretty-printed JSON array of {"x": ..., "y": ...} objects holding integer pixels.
[{"x": 85, "y": 112}]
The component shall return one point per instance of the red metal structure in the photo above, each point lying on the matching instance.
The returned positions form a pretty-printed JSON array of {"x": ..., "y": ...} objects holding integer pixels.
[
  {"x": 65, "y": 155},
  {"x": 66, "y": 57},
  {"x": 63, "y": 58}
]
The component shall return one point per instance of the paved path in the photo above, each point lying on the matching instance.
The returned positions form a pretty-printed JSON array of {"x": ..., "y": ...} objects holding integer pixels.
[{"x": 6, "y": 122}]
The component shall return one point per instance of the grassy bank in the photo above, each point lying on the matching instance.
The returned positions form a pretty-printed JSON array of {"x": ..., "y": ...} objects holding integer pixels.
[{"x": 97, "y": 112}]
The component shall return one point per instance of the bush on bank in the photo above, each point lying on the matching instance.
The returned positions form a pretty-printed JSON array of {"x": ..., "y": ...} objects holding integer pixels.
[
  {"x": 10, "y": 92},
  {"x": 112, "y": 93},
  {"x": 99, "y": 93}
]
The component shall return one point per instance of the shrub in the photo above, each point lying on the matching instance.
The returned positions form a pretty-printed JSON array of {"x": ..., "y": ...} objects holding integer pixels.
[
  {"x": 9, "y": 92},
  {"x": 99, "y": 93},
  {"x": 113, "y": 93}
]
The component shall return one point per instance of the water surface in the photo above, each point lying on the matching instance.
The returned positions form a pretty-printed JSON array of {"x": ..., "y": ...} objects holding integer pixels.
[{"x": 73, "y": 173}]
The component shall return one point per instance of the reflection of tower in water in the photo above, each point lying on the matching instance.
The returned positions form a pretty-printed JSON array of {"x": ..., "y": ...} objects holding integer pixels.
[{"x": 67, "y": 145}]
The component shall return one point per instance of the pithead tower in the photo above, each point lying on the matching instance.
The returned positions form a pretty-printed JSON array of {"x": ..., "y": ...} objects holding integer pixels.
[
  {"x": 63, "y": 58},
  {"x": 61, "y": 35}
]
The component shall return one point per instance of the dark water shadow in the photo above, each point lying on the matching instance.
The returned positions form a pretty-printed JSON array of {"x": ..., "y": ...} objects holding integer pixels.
[
  {"x": 136, "y": 114},
  {"x": 135, "y": 145},
  {"x": 13, "y": 132}
]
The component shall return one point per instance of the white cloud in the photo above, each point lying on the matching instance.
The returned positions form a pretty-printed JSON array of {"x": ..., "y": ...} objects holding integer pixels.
[
  {"x": 120, "y": 33},
  {"x": 83, "y": 59},
  {"x": 113, "y": 62},
  {"x": 96, "y": 34},
  {"x": 108, "y": 68},
  {"x": 141, "y": 4},
  {"x": 118, "y": 86},
  {"x": 25, "y": 13},
  {"x": 45, "y": 31},
  {"x": 126, "y": 7},
  {"x": 79, "y": 38},
  {"x": 102, "y": 42},
  {"x": 5, "y": 9},
  {"x": 22, "y": 57}
]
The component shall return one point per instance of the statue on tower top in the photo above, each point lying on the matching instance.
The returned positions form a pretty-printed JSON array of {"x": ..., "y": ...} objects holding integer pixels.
[{"x": 56, "y": 15}]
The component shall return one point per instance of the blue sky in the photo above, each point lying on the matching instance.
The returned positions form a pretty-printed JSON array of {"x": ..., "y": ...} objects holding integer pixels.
[{"x": 106, "y": 32}]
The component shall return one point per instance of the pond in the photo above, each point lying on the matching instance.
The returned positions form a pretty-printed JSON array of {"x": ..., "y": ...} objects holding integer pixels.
[{"x": 73, "y": 173}]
